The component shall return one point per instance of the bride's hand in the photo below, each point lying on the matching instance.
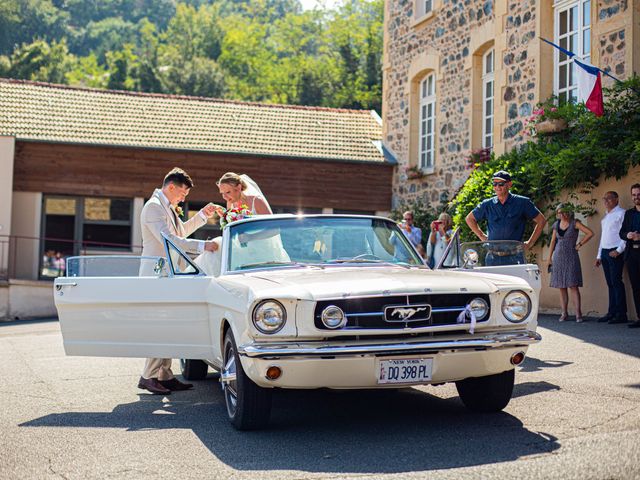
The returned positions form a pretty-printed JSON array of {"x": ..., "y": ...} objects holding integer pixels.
[
  {"x": 208, "y": 210},
  {"x": 218, "y": 209},
  {"x": 211, "y": 208}
]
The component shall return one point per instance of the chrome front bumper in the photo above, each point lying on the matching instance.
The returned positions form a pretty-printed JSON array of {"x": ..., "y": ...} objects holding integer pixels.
[{"x": 324, "y": 349}]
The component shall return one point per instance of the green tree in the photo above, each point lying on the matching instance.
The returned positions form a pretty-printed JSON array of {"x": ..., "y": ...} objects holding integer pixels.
[
  {"x": 23, "y": 21},
  {"x": 148, "y": 71},
  {"x": 123, "y": 69},
  {"x": 87, "y": 72},
  {"x": 200, "y": 76},
  {"x": 108, "y": 35},
  {"x": 194, "y": 33},
  {"x": 355, "y": 35},
  {"x": 186, "y": 57},
  {"x": 40, "y": 61}
]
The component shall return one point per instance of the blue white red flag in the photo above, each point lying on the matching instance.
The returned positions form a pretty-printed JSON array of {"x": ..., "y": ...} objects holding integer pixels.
[
  {"x": 590, "y": 87},
  {"x": 589, "y": 82}
]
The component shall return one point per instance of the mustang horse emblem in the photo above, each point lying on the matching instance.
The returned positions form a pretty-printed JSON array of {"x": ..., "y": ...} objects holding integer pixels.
[{"x": 406, "y": 313}]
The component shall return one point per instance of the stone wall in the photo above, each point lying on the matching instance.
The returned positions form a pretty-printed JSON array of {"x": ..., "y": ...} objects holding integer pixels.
[
  {"x": 519, "y": 62},
  {"x": 612, "y": 44},
  {"x": 523, "y": 76},
  {"x": 447, "y": 36}
]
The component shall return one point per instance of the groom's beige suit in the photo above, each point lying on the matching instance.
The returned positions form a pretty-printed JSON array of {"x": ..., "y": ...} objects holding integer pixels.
[{"x": 158, "y": 217}]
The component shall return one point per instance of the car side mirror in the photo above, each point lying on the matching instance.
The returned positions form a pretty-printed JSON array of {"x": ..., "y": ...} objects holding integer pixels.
[
  {"x": 470, "y": 258},
  {"x": 159, "y": 268}
]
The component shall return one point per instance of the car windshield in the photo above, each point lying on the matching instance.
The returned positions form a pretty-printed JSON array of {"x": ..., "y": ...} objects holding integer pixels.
[
  {"x": 492, "y": 253},
  {"x": 318, "y": 241}
]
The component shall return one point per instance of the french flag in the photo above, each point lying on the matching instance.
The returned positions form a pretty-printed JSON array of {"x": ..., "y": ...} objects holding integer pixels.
[{"x": 589, "y": 85}]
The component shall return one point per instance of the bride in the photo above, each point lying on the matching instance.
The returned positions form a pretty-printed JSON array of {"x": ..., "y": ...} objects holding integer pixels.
[{"x": 238, "y": 191}]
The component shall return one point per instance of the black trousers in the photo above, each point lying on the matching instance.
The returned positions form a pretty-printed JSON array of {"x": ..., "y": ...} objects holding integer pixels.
[
  {"x": 632, "y": 258},
  {"x": 612, "y": 268}
]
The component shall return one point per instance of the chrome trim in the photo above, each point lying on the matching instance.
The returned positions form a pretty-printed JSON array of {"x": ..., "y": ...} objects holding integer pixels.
[
  {"x": 416, "y": 309},
  {"x": 172, "y": 273},
  {"x": 433, "y": 310},
  {"x": 446, "y": 310},
  {"x": 455, "y": 237},
  {"x": 424, "y": 291},
  {"x": 317, "y": 349},
  {"x": 226, "y": 377}
]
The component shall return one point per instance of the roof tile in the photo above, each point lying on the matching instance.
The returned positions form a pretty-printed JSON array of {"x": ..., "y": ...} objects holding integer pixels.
[{"x": 58, "y": 113}]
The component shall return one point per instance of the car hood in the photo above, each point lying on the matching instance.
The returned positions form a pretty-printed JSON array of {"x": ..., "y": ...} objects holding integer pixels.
[{"x": 338, "y": 281}]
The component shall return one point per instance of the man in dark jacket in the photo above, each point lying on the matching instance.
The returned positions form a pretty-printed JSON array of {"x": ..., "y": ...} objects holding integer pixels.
[{"x": 630, "y": 232}]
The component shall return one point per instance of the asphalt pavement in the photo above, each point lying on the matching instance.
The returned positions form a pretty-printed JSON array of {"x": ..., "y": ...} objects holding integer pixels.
[{"x": 575, "y": 414}]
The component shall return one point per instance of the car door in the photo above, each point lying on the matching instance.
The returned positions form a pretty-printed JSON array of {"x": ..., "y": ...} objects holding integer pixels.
[
  {"x": 475, "y": 256},
  {"x": 134, "y": 311}
]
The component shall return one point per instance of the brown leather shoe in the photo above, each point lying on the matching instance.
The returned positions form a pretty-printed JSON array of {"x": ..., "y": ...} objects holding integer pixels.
[
  {"x": 174, "y": 384},
  {"x": 153, "y": 385}
]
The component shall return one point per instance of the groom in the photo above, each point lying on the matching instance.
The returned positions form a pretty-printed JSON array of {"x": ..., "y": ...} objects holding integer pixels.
[{"x": 159, "y": 216}]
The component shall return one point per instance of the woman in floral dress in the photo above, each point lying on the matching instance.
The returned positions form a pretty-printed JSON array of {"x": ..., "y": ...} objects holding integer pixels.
[{"x": 564, "y": 262}]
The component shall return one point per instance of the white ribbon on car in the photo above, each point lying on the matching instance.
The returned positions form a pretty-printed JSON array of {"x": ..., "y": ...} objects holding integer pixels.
[{"x": 462, "y": 318}]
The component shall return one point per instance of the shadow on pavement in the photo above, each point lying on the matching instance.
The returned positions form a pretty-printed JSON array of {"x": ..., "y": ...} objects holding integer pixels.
[
  {"x": 615, "y": 337},
  {"x": 333, "y": 431},
  {"x": 529, "y": 388},
  {"x": 532, "y": 364}
]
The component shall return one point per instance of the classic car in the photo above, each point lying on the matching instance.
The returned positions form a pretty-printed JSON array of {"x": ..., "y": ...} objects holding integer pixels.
[{"x": 310, "y": 301}]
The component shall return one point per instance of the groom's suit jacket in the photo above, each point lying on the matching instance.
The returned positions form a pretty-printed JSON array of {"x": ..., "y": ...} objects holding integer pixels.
[{"x": 157, "y": 217}]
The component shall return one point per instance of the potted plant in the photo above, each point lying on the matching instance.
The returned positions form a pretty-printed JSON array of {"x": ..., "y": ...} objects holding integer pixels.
[
  {"x": 548, "y": 118},
  {"x": 414, "y": 172},
  {"x": 478, "y": 157}
]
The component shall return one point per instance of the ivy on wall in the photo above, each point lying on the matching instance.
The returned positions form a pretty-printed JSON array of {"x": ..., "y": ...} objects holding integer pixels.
[{"x": 569, "y": 160}]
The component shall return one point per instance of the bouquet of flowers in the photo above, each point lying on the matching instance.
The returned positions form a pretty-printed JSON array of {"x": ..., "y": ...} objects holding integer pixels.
[{"x": 232, "y": 214}]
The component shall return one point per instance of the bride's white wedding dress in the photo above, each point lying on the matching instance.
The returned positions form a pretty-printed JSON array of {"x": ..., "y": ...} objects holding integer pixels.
[{"x": 256, "y": 250}]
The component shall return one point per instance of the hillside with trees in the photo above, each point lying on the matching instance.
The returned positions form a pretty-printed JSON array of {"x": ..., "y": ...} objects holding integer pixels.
[{"x": 257, "y": 50}]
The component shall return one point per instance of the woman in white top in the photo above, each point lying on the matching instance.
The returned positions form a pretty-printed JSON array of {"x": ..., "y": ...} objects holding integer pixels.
[{"x": 439, "y": 238}]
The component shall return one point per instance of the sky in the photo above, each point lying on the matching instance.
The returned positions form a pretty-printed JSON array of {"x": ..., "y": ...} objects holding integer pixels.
[{"x": 310, "y": 4}]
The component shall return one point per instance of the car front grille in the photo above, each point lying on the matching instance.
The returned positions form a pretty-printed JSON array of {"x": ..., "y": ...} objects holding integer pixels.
[{"x": 369, "y": 312}]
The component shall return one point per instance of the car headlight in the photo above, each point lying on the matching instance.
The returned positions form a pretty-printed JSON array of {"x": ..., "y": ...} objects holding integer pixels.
[
  {"x": 333, "y": 317},
  {"x": 516, "y": 306},
  {"x": 479, "y": 307},
  {"x": 269, "y": 316}
]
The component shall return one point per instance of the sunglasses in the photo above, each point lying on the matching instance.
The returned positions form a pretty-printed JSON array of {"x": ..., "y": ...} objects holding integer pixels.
[{"x": 499, "y": 184}]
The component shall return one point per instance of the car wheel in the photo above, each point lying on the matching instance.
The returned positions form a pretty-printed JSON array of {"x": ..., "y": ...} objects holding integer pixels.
[
  {"x": 193, "y": 369},
  {"x": 487, "y": 394},
  {"x": 248, "y": 405}
]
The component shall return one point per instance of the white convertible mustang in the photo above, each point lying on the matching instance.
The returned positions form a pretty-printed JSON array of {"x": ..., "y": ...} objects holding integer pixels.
[{"x": 315, "y": 301}]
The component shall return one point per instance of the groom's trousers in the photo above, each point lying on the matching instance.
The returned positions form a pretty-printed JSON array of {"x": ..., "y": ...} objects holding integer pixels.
[{"x": 159, "y": 368}]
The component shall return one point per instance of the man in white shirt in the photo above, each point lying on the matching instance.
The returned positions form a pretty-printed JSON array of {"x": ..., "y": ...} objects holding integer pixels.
[{"x": 611, "y": 258}]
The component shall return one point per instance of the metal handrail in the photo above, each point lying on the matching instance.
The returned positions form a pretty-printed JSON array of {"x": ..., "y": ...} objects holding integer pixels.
[{"x": 11, "y": 248}]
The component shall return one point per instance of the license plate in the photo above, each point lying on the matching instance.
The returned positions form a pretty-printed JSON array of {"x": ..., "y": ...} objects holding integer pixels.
[{"x": 405, "y": 370}]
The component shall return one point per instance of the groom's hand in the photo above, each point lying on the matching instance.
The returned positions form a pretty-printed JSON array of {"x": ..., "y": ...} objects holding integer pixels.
[
  {"x": 209, "y": 210},
  {"x": 210, "y": 246}
]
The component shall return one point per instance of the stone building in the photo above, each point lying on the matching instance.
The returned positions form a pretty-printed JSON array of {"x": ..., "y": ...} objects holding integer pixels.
[{"x": 461, "y": 75}]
